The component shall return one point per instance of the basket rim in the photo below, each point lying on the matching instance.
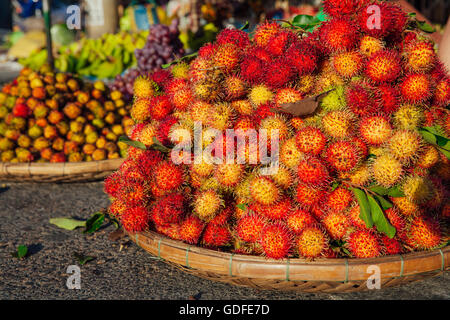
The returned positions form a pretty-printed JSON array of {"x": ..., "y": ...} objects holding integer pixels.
[
  {"x": 290, "y": 269},
  {"x": 58, "y": 172}
]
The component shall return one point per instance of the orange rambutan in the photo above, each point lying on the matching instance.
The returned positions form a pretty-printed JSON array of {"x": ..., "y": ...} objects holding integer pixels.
[
  {"x": 160, "y": 107},
  {"x": 287, "y": 95},
  {"x": 343, "y": 155},
  {"x": 370, "y": 45},
  {"x": 313, "y": 171},
  {"x": 277, "y": 211},
  {"x": 338, "y": 124},
  {"x": 234, "y": 36},
  {"x": 339, "y": 34},
  {"x": 375, "y": 129},
  {"x": 168, "y": 176},
  {"x": 134, "y": 193},
  {"x": 229, "y": 175},
  {"x": 117, "y": 208},
  {"x": 312, "y": 242},
  {"x": 199, "y": 69},
  {"x": 234, "y": 87},
  {"x": 249, "y": 227},
  {"x": 396, "y": 219},
  {"x": 182, "y": 98},
  {"x": 442, "y": 94},
  {"x": 384, "y": 66},
  {"x": 348, "y": 63},
  {"x": 191, "y": 229},
  {"x": 337, "y": 224},
  {"x": 424, "y": 233},
  {"x": 276, "y": 241},
  {"x": 216, "y": 235},
  {"x": 135, "y": 219},
  {"x": 354, "y": 216},
  {"x": 406, "y": 207},
  {"x": 264, "y": 32},
  {"x": 390, "y": 246},
  {"x": 140, "y": 111},
  {"x": 416, "y": 88},
  {"x": 339, "y": 199},
  {"x": 226, "y": 57},
  {"x": 310, "y": 140},
  {"x": 308, "y": 196},
  {"x": 299, "y": 219},
  {"x": 363, "y": 244},
  {"x": 420, "y": 56}
]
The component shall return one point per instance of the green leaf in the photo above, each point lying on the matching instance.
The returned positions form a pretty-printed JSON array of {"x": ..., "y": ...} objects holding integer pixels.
[
  {"x": 189, "y": 56},
  {"x": 379, "y": 219},
  {"x": 94, "y": 222},
  {"x": 158, "y": 146},
  {"x": 392, "y": 192},
  {"x": 245, "y": 26},
  {"x": 445, "y": 152},
  {"x": 424, "y": 26},
  {"x": 412, "y": 14},
  {"x": 242, "y": 206},
  {"x": 364, "y": 206},
  {"x": 334, "y": 186},
  {"x": 68, "y": 223},
  {"x": 433, "y": 135},
  {"x": 321, "y": 16},
  {"x": 21, "y": 252},
  {"x": 82, "y": 259},
  {"x": 132, "y": 143},
  {"x": 306, "y": 22},
  {"x": 385, "y": 204}
]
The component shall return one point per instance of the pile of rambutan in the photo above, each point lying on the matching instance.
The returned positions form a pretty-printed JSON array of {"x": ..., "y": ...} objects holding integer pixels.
[{"x": 368, "y": 144}]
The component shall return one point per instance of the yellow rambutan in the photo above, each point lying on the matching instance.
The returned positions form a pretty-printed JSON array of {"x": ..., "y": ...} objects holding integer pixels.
[
  {"x": 206, "y": 90},
  {"x": 226, "y": 57},
  {"x": 416, "y": 189},
  {"x": 276, "y": 124},
  {"x": 264, "y": 190},
  {"x": 144, "y": 87},
  {"x": 207, "y": 204},
  {"x": 283, "y": 177},
  {"x": 290, "y": 155},
  {"x": 229, "y": 175},
  {"x": 243, "y": 107},
  {"x": 406, "y": 207},
  {"x": 428, "y": 157},
  {"x": 408, "y": 117},
  {"x": 312, "y": 242},
  {"x": 306, "y": 83},
  {"x": 370, "y": 45},
  {"x": 386, "y": 170},
  {"x": 234, "y": 87},
  {"x": 405, "y": 145},
  {"x": 180, "y": 70},
  {"x": 338, "y": 124},
  {"x": 334, "y": 100},
  {"x": 360, "y": 176},
  {"x": 200, "y": 111},
  {"x": 260, "y": 95},
  {"x": 220, "y": 116}
]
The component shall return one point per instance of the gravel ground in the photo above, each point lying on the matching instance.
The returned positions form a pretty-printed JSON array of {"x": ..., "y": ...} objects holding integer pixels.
[{"x": 116, "y": 273}]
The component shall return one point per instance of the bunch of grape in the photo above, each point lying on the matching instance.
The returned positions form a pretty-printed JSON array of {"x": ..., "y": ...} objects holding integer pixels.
[
  {"x": 163, "y": 46},
  {"x": 124, "y": 83}
]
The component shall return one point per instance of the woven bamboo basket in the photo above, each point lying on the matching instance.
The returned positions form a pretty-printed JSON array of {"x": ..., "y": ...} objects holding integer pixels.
[
  {"x": 64, "y": 172},
  {"x": 323, "y": 275}
]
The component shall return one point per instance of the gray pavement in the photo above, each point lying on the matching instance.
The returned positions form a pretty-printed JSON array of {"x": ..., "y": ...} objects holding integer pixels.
[{"x": 121, "y": 270}]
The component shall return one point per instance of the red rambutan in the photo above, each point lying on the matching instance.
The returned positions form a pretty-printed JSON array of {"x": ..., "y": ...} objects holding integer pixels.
[
  {"x": 337, "y": 8},
  {"x": 277, "y": 211},
  {"x": 135, "y": 219},
  {"x": 234, "y": 36},
  {"x": 343, "y": 156},
  {"x": 264, "y": 32},
  {"x": 160, "y": 107},
  {"x": 252, "y": 69},
  {"x": 168, "y": 176},
  {"x": 416, "y": 88},
  {"x": 312, "y": 171},
  {"x": 383, "y": 66},
  {"x": 363, "y": 244},
  {"x": 310, "y": 140},
  {"x": 338, "y": 35},
  {"x": 169, "y": 209},
  {"x": 360, "y": 98},
  {"x": 308, "y": 196},
  {"x": 113, "y": 184},
  {"x": 336, "y": 224},
  {"x": 389, "y": 99},
  {"x": 249, "y": 227},
  {"x": 216, "y": 235},
  {"x": 300, "y": 219},
  {"x": 276, "y": 241},
  {"x": 278, "y": 73}
]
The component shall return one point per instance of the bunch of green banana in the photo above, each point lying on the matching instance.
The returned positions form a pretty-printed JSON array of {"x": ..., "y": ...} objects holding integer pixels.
[{"x": 103, "y": 58}]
